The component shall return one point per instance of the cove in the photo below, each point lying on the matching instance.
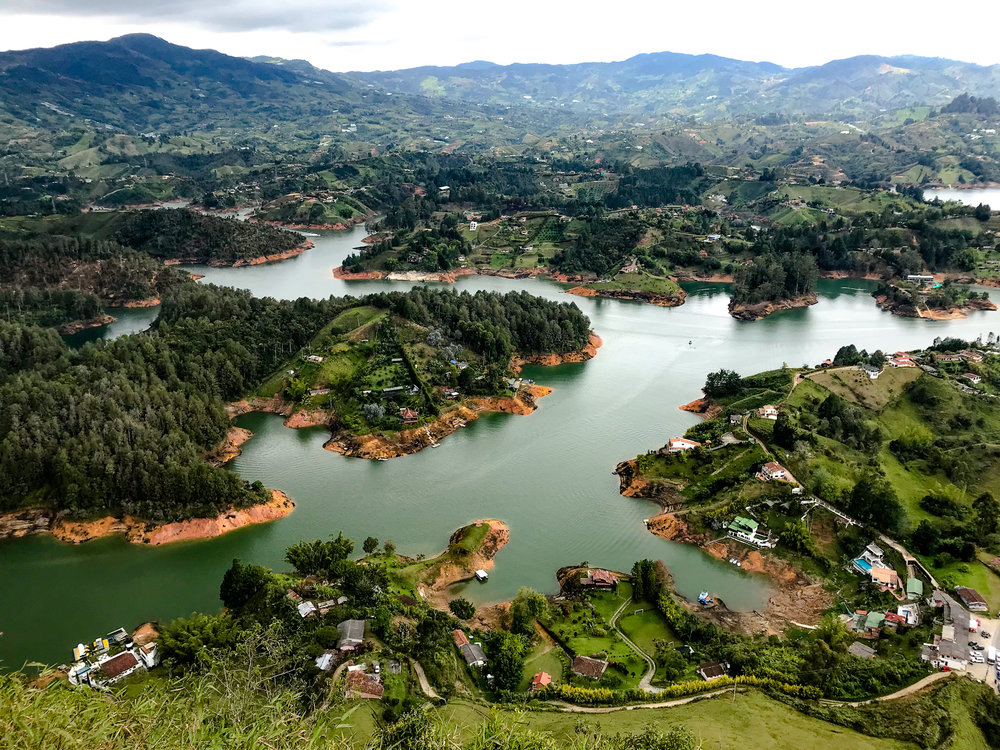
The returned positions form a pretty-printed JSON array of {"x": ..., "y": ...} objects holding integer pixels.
[{"x": 547, "y": 475}]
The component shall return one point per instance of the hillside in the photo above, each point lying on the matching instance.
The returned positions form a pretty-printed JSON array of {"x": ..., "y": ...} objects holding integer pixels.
[
  {"x": 710, "y": 85},
  {"x": 140, "y": 83}
]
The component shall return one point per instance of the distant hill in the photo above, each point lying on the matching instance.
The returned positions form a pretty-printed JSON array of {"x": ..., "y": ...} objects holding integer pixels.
[
  {"x": 139, "y": 83},
  {"x": 667, "y": 82}
]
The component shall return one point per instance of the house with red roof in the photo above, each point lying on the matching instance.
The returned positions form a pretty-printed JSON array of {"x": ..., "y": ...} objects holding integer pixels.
[{"x": 539, "y": 681}]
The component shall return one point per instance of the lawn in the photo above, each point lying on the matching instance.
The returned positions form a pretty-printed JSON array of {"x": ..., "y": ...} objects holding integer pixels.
[
  {"x": 854, "y": 386},
  {"x": 353, "y": 318},
  {"x": 646, "y": 627},
  {"x": 545, "y": 656},
  {"x": 973, "y": 574},
  {"x": 644, "y": 282}
]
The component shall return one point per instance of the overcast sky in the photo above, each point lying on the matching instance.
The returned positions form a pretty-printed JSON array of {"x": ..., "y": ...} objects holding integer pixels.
[{"x": 387, "y": 34}]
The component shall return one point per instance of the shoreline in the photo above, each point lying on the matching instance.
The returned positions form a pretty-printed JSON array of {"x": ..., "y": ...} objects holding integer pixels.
[
  {"x": 78, "y": 326},
  {"x": 632, "y": 295},
  {"x": 241, "y": 262},
  {"x": 33, "y": 521},
  {"x": 950, "y": 313},
  {"x": 763, "y": 309},
  {"x": 794, "y": 599},
  {"x": 374, "y": 446},
  {"x": 340, "y": 226},
  {"x": 415, "y": 439}
]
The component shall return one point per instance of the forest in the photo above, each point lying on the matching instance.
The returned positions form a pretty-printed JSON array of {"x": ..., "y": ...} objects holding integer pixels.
[
  {"x": 491, "y": 324},
  {"x": 190, "y": 236},
  {"x": 43, "y": 274},
  {"x": 123, "y": 426},
  {"x": 771, "y": 278}
]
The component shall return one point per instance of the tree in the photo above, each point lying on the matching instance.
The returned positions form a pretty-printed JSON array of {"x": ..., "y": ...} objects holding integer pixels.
[
  {"x": 370, "y": 545},
  {"x": 390, "y": 547},
  {"x": 796, "y": 536},
  {"x": 241, "y": 583},
  {"x": 505, "y": 652},
  {"x": 722, "y": 383},
  {"x": 644, "y": 584},
  {"x": 527, "y": 607},
  {"x": 187, "y": 641},
  {"x": 462, "y": 608},
  {"x": 318, "y": 556},
  {"x": 925, "y": 538},
  {"x": 987, "y": 513},
  {"x": 874, "y": 501}
]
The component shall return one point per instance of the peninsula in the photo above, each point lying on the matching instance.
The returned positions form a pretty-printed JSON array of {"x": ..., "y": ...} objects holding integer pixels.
[{"x": 388, "y": 380}]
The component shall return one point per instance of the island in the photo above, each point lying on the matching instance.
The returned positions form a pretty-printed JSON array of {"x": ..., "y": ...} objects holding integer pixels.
[
  {"x": 921, "y": 297},
  {"x": 770, "y": 283}
]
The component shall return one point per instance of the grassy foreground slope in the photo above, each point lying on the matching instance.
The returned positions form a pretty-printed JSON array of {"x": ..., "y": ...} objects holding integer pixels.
[{"x": 224, "y": 709}]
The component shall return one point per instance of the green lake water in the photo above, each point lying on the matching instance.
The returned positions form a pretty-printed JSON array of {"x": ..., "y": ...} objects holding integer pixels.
[{"x": 547, "y": 475}]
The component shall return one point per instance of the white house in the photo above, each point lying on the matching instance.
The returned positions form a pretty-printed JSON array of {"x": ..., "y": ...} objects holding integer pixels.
[
  {"x": 770, "y": 411},
  {"x": 871, "y": 371},
  {"x": 473, "y": 226},
  {"x": 773, "y": 470},
  {"x": 973, "y": 378},
  {"x": 678, "y": 444}
]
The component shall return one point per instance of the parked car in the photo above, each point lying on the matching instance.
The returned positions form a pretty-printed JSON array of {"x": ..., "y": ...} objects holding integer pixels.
[
  {"x": 984, "y": 634},
  {"x": 977, "y": 659}
]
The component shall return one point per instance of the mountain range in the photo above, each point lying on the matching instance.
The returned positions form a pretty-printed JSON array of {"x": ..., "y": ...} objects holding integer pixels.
[
  {"x": 140, "y": 83},
  {"x": 668, "y": 82}
]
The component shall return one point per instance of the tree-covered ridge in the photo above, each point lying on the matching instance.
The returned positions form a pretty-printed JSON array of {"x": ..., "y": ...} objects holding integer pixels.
[
  {"x": 123, "y": 426},
  {"x": 102, "y": 267},
  {"x": 187, "y": 235},
  {"x": 494, "y": 325}
]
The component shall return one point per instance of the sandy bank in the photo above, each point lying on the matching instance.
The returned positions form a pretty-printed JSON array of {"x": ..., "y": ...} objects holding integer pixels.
[
  {"x": 148, "y": 302},
  {"x": 703, "y": 407},
  {"x": 44, "y": 521},
  {"x": 950, "y": 313},
  {"x": 763, "y": 309},
  {"x": 588, "y": 352},
  {"x": 415, "y": 439},
  {"x": 76, "y": 326},
  {"x": 230, "y": 447},
  {"x": 259, "y": 260}
]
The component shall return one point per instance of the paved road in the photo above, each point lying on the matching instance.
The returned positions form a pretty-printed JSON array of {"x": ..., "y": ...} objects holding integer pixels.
[
  {"x": 645, "y": 682},
  {"x": 425, "y": 686}
]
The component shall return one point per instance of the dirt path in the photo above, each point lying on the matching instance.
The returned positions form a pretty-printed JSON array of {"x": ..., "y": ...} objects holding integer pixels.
[
  {"x": 909, "y": 690},
  {"x": 425, "y": 686},
  {"x": 645, "y": 682},
  {"x": 914, "y": 688}
]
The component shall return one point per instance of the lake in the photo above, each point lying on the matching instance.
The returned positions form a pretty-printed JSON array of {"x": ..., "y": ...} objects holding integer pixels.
[
  {"x": 547, "y": 475},
  {"x": 969, "y": 196}
]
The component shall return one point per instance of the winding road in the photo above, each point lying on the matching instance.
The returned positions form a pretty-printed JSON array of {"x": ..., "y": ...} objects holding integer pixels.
[{"x": 646, "y": 682}]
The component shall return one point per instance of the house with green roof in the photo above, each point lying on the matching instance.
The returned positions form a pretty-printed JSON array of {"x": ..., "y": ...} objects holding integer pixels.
[{"x": 914, "y": 588}]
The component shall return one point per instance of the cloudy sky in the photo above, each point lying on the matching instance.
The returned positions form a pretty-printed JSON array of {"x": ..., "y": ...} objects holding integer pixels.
[{"x": 388, "y": 34}]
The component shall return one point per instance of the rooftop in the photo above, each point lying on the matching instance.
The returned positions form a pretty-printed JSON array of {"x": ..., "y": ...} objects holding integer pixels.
[{"x": 588, "y": 667}]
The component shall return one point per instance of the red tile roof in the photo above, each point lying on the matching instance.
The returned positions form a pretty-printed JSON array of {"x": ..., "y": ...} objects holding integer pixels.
[
  {"x": 361, "y": 685},
  {"x": 116, "y": 665},
  {"x": 460, "y": 638},
  {"x": 540, "y": 680}
]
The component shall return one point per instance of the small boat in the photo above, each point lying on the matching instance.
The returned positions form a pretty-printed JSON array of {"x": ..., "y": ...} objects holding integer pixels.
[
  {"x": 435, "y": 445},
  {"x": 705, "y": 598}
]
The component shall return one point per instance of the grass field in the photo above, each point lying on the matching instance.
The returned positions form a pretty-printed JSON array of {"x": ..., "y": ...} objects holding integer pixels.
[
  {"x": 751, "y": 721},
  {"x": 645, "y": 282},
  {"x": 853, "y": 385}
]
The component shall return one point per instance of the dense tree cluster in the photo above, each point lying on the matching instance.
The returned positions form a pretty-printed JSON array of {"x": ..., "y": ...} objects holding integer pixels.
[
  {"x": 195, "y": 237},
  {"x": 771, "y": 278},
  {"x": 601, "y": 246},
  {"x": 493, "y": 325}
]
